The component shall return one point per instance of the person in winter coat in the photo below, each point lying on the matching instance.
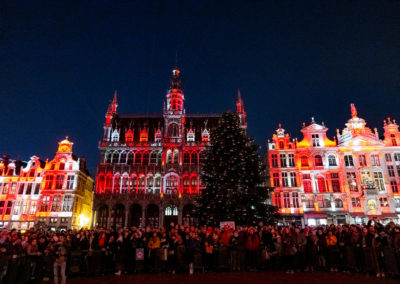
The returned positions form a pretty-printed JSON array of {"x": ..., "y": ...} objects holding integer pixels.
[{"x": 252, "y": 245}]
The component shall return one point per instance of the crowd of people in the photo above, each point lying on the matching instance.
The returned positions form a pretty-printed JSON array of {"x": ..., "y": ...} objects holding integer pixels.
[{"x": 37, "y": 255}]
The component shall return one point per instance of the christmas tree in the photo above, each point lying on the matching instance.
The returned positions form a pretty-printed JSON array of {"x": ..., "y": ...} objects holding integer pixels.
[{"x": 233, "y": 175}]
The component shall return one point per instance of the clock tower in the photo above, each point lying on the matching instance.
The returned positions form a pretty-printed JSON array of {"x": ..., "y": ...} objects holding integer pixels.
[{"x": 65, "y": 146}]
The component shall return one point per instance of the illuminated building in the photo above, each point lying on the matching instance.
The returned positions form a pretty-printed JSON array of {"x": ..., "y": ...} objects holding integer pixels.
[
  {"x": 350, "y": 179},
  {"x": 150, "y": 165},
  {"x": 20, "y": 191},
  {"x": 66, "y": 198}
]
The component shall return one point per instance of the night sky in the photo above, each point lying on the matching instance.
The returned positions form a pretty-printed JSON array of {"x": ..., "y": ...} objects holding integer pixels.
[{"x": 60, "y": 62}]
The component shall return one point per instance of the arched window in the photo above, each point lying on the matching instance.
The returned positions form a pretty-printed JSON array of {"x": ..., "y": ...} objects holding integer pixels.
[
  {"x": 176, "y": 156},
  {"x": 130, "y": 158},
  {"x": 100, "y": 184},
  {"x": 307, "y": 183},
  {"x": 157, "y": 185},
  {"x": 117, "y": 183},
  {"x": 318, "y": 161},
  {"x": 171, "y": 210},
  {"x": 122, "y": 158},
  {"x": 338, "y": 203},
  {"x": 141, "y": 184},
  {"x": 304, "y": 161},
  {"x": 115, "y": 157},
  {"x": 186, "y": 158},
  {"x": 321, "y": 184},
  {"x": 173, "y": 130},
  {"x": 108, "y": 156},
  {"x": 169, "y": 157},
  {"x": 332, "y": 160},
  {"x": 193, "y": 158},
  {"x": 193, "y": 184},
  {"x": 171, "y": 184},
  {"x": 125, "y": 184},
  {"x": 150, "y": 183},
  {"x": 138, "y": 158},
  {"x": 115, "y": 136},
  {"x": 108, "y": 183},
  {"x": 153, "y": 158},
  {"x": 133, "y": 185},
  {"x": 186, "y": 184},
  {"x": 159, "y": 158},
  {"x": 145, "y": 158}
]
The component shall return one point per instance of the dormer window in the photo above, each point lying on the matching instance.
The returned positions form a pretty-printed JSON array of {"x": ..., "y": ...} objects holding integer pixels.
[
  {"x": 315, "y": 140},
  {"x": 129, "y": 136},
  {"x": 190, "y": 136},
  {"x": 115, "y": 136},
  {"x": 157, "y": 136},
  {"x": 205, "y": 136},
  {"x": 143, "y": 136}
]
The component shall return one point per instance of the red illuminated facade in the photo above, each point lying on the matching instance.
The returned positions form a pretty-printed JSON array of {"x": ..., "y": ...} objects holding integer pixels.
[
  {"x": 150, "y": 165},
  {"x": 349, "y": 179}
]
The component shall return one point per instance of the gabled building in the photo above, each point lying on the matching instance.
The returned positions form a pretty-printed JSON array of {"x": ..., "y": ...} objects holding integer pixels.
[
  {"x": 150, "y": 165},
  {"x": 351, "y": 178}
]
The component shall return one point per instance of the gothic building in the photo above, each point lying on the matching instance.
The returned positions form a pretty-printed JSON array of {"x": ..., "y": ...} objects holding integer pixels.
[
  {"x": 350, "y": 179},
  {"x": 150, "y": 165}
]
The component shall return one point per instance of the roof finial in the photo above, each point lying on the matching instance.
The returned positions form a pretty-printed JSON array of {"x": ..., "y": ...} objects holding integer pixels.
[
  {"x": 312, "y": 120},
  {"x": 353, "y": 111},
  {"x": 280, "y": 126}
]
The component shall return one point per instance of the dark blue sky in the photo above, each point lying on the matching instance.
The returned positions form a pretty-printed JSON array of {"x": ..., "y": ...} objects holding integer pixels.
[{"x": 60, "y": 62}]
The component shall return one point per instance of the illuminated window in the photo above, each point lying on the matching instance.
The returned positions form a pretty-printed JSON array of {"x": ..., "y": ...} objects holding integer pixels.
[
  {"x": 37, "y": 188},
  {"x": 142, "y": 181},
  {"x": 17, "y": 207},
  {"x": 153, "y": 157},
  {"x": 186, "y": 158},
  {"x": 59, "y": 181},
  {"x": 384, "y": 202},
  {"x": 176, "y": 156},
  {"x": 348, "y": 161},
  {"x": 49, "y": 181},
  {"x": 25, "y": 207},
  {"x": 190, "y": 136},
  {"x": 304, "y": 161},
  {"x": 391, "y": 171},
  {"x": 363, "y": 160},
  {"x": 393, "y": 185},
  {"x": 149, "y": 184},
  {"x": 144, "y": 136},
  {"x": 281, "y": 145},
  {"x": 70, "y": 181},
  {"x": 169, "y": 157},
  {"x": 283, "y": 160},
  {"x": 278, "y": 202},
  {"x": 310, "y": 203},
  {"x": 205, "y": 136},
  {"x": 291, "y": 160},
  {"x": 171, "y": 211},
  {"x": 129, "y": 136},
  {"x": 307, "y": 183},
  {"x": 275, "y": 179},
  {"x": 145, "y": 160},
  {"x": 285, "y": 181},
  {"x": 45, "y": 204},
  {"x": 157, "y": 185},
  {"x": 378, "y": 176},
  {"x": 56, "y": 204},
  {"x": 193, "y": 184},
  {"x": 115, "y": 136},
  {"x": 335, "y": 182},
  {"x": 352, "y": 182},
  {"x": 28, "y": 188},
  {"x": 8, "y": 207},
  {"x": 321, "y": 184},
  {"x": 295, "y": 199},
  {"x": 286, "y": 200},
  {"x": 193, "y": 158},
  {"x": 171, "y": 184},
  {"x": 274, "y": 160},
  {"x": 375, "y": 160},
  {"x": 138, "y": 158},
  {"x": 338, "y": 203},
  {"x": 293, "y": 180},
  {"x": 67, "y": 204},
  {"x": 173, "y": 130},
  {"x": 318, "y": 161},
  {"x": 397, "y": 157},
  {"x": 315, "y": 140},
  {"x": 332, "y": 161},
  {"x": 33, "y": 207},
  {"x": 61, "y": 166},
  {"x": 388, "y": 157},
  {"x": 122, "y": 157}
]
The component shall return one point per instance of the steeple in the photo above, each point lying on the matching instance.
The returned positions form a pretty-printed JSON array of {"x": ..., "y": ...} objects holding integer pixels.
[
  {"x": 240, "y": 111},
  {"x": 112, "y": 109},
  {"x": 175, "y": 82},
  {"x": 353, "y": 111},
  {"x": 174, "y": 95}
]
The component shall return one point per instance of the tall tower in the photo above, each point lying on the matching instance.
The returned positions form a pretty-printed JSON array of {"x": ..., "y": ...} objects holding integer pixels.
[
  {"x": 240, "y": 111},
  {"x": 112, "y": 109},
  {"x": 174, "y": 112}
]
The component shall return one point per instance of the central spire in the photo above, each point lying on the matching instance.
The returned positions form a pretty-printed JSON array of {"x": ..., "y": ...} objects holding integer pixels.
[{"x": 175, "y": 84}]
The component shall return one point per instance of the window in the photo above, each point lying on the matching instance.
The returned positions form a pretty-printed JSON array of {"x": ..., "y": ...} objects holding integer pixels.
[
  {"x": 309, "y": 203},
  {"x": 304, "y": 161},
  {"x": 205, "y": 136},
  {"x": 8, "y": 208},
  {"x": 130, "y": 158},
  {"x": 327, "y": 203},
  {"x": 173, "y": 130},
  {"x": 384, "y": 202},
  {"x": 186, "y": 158},
  {"x": 318, "y": 161},
  {"x": 332, "y": 161},
  {"x": 281, "y": 145},
  {"x": 56, "y": 204},
  {"x": 355, "y": 202},
  {"x": 171, "y": 211},
  {"x": 153, "y": 158},
  {"x": 37, "y": 188},
  {"x": 25, "y": 207},
  {"x": 393, "y": 185},
  {"x": 315, "y": 140},
  {"x": 379, "y": 181},
  {"x": 396, "y": 200},
  {"x": 193, "y": 183},
  {"x": 398, "y": 170},
  {"x": 338, "y": 203},
  {"x": 17, "y": 207},
  {"x": 307, "y": 183},
  {"x": 295, "y": 199},
  {"x": 274, "y": 160},
  {"x": 293, "y": 180},
  {"x": 49, "y": 182},
  {"x": 28, "y": 189},
  {"x": 67, "y": 204},
  {"x": 348, "y": 161},
  {"x": 5, "y": 188},
  {"x": 390, "y": 171},
  {"x": 171, "y": 184},
  {"x": 33, "y": 207},
  {"x": 285, "y": 181},
  {"x": 275, "y": 179},
  {"x": 321, "y": 203},
  {"x": 122, "y": 158},
  {"x": 286, "y": 200},
  {"x": 375, "y": 160},
  {"x": 45, "y": 204},
  {"x": 59, "y": 181},
  {"x": 138, "y": 158},
  {"x": 397, "y": 157},
  {"x": 149, "y": 184},
  {"x": 194, "y": 158},
  {"x": 321, "y": 184},
  {"x": 352, "y": 182},
  {"x": 129, "y": 136},
  {"x": 291, "y": 160},
  {"x": 283, "y": 160},
  {"x": 186, "y": 184},
  {"x": 145, "y": 160},
  {"x": 70, "y": 182},
  {"x": 115, "y": 136},
  {"x": 362, "y": 160},
  {"x": 190, "y": 136},
  {"x": 14, "y": 186},
  {"x": 335, "y": 182},
  {"x": 278, "y": 202},
  {"x": 176, "y": 156},
  {"x": 388, "y": 157},
  {"x": 2, "y": 207},
  {"x": 169, "y": 157}
]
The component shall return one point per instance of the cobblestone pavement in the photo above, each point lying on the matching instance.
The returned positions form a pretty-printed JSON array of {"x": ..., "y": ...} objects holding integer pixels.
[{"x": 238, "y": 277}]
